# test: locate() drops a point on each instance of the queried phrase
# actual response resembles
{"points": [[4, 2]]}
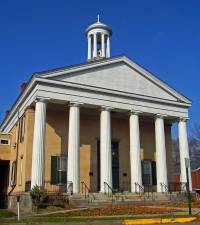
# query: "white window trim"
{"points": [[21, 171], [13, 174], [4, 139]]}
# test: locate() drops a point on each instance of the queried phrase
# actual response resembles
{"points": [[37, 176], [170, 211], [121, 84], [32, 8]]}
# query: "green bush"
{"points": [[39, 196]]}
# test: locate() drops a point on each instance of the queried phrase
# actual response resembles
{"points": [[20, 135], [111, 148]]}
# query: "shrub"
{"points": [[39, 196]]}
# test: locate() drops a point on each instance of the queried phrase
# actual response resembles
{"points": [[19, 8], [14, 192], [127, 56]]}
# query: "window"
{"points": [[58, 170], [21, 169], [22, 128], [13, 174], [4, 142]]}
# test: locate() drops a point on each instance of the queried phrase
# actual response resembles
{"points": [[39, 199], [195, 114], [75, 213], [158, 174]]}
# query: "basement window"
{"points": [[4, 142]]}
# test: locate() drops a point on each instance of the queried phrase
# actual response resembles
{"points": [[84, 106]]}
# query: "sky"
{"points": [[161, 35]]}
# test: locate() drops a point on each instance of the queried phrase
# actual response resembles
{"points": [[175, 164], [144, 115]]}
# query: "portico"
{"points": [[103, 118]]}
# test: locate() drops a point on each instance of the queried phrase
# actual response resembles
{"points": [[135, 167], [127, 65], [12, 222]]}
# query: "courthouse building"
{"points": [[105, 122]]}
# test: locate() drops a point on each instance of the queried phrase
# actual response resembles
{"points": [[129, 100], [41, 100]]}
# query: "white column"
{"points": [[94, 45], [38, 154], [184, 150], [73, 165], [89, 47], [105, 148], [161, 164], [135, 158], [103, 45], [108, 47]]}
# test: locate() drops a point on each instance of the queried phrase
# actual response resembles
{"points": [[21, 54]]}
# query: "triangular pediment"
{"points": [[121, 75]]}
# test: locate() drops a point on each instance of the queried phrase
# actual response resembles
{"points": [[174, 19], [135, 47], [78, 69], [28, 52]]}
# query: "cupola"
{"points": [[98, 35]]}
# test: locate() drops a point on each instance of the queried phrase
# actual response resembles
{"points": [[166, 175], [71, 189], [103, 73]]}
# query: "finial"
{"points": [[98, 18]]}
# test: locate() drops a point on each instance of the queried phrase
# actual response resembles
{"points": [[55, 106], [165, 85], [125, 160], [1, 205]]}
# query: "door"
{"points": [[4, 179], [115, 164], [149, 172]]}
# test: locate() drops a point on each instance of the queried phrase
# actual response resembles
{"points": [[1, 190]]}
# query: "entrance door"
{"points": [[148, 172], [115, 164], [4, 175]]}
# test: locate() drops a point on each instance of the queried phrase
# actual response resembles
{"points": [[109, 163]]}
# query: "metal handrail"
{"points": [[110, 190], [85, 189], [163, 185], [66, 187], [183, 186], [139, 187]]}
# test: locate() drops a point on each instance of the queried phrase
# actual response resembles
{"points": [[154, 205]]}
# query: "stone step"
{"points": [[101, 199]]}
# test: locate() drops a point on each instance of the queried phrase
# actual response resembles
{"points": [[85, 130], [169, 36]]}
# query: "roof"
{"points": [[98, 25], [98, 63]]}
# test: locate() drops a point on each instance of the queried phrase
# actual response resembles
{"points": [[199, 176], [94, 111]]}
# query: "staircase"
{"points": [[94, 200]]}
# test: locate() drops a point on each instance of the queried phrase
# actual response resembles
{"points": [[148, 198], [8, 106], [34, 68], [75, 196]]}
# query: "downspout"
{"points": [[17, 152]]}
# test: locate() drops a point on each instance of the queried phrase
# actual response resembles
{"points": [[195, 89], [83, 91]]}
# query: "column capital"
{"points": [[161, 116], [41, 99], [106, 108], [135, 112], [76, 104], [183, 119]]}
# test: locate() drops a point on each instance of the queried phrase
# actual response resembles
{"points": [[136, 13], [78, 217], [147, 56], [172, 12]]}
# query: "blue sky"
{"points": [[162, 36]]}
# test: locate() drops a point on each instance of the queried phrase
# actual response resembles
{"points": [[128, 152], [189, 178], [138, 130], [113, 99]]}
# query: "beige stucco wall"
{"points": [[5, 150], [57, 141]]}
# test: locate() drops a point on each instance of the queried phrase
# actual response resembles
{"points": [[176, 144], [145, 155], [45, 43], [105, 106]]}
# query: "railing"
{"points": [[53, 188], [177, 186], [85, 189], [184, 186], [139, 188], [164, 187], [108, 190]]}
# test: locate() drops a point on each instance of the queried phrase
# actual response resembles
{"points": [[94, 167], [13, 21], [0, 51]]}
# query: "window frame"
{"points": [[22, 128], [13, 174], [60, 170], [4, 139], [20, 169]]}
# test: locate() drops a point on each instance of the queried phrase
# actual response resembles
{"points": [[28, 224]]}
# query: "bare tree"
{"points": [[194, 146], [194, 149]]}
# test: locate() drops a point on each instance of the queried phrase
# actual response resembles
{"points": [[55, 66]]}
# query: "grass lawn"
{"points": [[91, 219], [113, 212], [4, 213]]}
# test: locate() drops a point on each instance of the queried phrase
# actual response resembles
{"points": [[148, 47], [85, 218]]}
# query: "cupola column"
{"points": [[98, 35], [103, 45], [108, 47], [94, 45], [89, 47]]}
